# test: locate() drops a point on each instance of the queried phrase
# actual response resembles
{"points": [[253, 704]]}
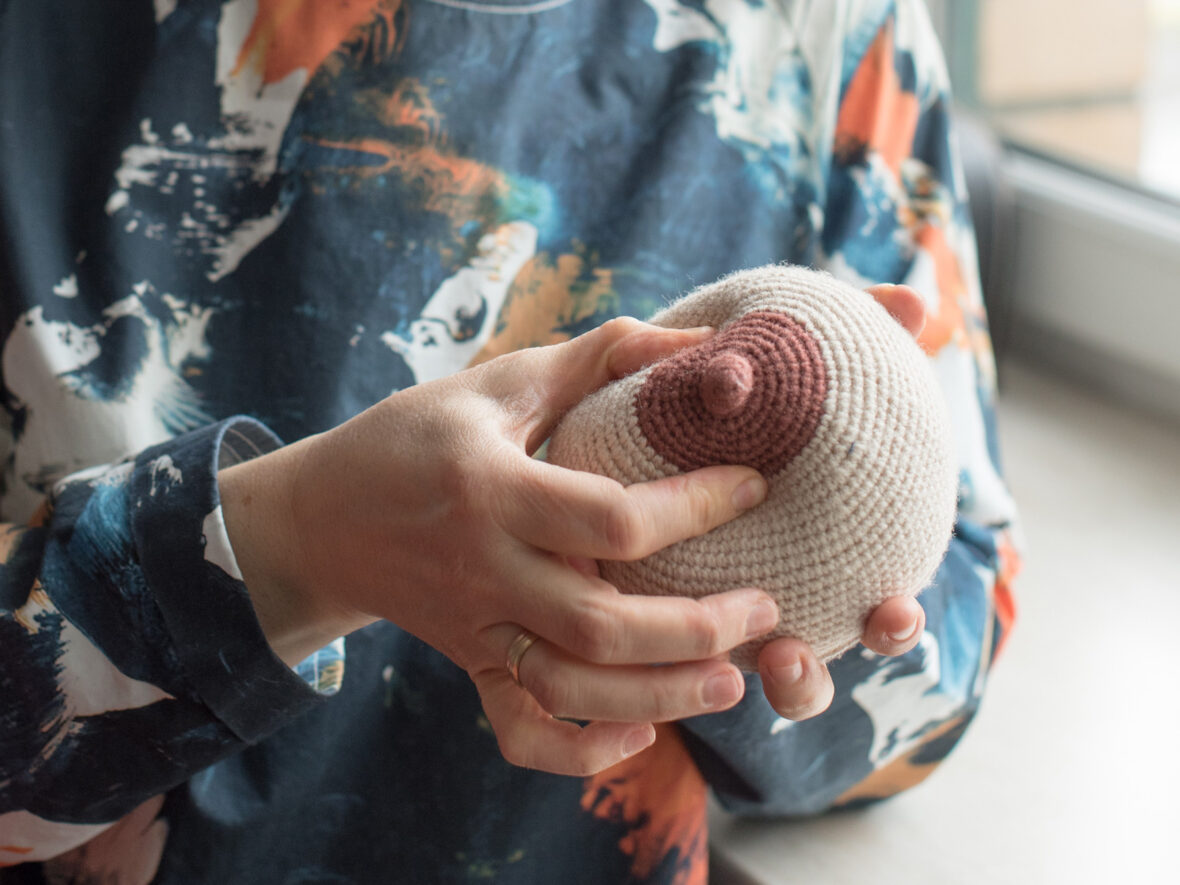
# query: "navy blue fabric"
{"points": [[203, 215]]}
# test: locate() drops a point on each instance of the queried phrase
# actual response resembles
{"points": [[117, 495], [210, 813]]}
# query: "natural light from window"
{"points": [[1096, 84]]}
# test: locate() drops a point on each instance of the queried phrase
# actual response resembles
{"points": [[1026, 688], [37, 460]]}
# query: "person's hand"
{"points": [[796, 684], [427, 510]]}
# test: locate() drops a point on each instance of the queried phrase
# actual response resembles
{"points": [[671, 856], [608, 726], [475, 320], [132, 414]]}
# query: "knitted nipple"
{"points": [[752, 395], [725, 384], [814, 384]]}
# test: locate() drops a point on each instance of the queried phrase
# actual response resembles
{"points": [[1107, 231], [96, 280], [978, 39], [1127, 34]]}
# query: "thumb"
{"points": [[539, 385]]}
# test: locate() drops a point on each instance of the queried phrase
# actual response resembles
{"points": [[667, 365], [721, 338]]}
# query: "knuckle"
{"points": [[551, 693], [459, 486], [524, 402], [710, 632], [700, 504], [619, 327], [625, 528], [666, 702], [594, 634]]}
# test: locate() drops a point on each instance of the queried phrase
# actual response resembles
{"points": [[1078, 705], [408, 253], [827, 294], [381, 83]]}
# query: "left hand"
{"points": [[797, 685]]}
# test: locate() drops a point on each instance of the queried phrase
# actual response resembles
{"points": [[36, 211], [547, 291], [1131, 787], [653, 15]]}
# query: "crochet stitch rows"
{"points": [[812, 382]]}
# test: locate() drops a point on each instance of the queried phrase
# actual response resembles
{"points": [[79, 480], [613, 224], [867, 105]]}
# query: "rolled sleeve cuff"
{"points": [[189, 564]]}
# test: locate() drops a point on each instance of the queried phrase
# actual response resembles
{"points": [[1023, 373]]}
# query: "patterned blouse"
{"points": [[289, 209]]}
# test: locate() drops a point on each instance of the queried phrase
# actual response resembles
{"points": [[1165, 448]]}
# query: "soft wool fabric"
{"points": [[813, 383]]}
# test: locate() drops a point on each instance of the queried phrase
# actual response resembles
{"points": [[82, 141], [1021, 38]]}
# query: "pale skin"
{"points": [[428, 510]]}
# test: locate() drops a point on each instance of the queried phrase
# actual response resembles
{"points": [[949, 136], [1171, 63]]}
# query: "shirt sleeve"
{"points": [[895, 210], [130, 654]]}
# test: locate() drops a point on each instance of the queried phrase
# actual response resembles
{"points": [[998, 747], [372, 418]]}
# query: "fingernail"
{"points": [[903, 635], [762, 617], [750, 493], [640, 739], [789, 674], [722, 690]]}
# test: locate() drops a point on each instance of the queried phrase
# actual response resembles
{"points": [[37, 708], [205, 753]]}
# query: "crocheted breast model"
{"points": [[814, 384]]}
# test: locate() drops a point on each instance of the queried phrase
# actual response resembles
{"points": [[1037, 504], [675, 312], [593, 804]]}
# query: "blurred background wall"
{"points": [[1071, 130]]}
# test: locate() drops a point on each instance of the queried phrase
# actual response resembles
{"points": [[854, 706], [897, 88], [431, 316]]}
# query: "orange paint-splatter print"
{"points": [[660, 796], [879, 116], [900, 774], [547, 297], [946, 322], [455, 176], [1002, 596], [877, 113], [42, 515], [14, 849], [444, 182], [9, 541], [292, 35]]}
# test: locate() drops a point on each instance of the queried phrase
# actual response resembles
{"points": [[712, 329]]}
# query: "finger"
{"points": [[651, 344], [796, 684], [904, 305], [541, 384], [592, 620], [895, 626], [583, 514], [531, 738], [570, 687]]}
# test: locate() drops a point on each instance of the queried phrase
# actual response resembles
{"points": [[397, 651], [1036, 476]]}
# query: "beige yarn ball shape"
{"points": [[812, 382]]}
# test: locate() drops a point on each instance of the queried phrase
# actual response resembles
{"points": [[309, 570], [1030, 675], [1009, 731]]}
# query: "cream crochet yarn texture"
{"points": [[813, 383]]}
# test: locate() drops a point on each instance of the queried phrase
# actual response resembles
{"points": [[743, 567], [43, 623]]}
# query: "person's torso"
{"points": [[291, 210]]}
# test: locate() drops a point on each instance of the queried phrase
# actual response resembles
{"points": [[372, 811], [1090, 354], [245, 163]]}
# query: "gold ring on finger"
{"points": [[522, 643]]}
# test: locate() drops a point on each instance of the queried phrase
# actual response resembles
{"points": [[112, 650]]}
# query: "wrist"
{"points": [[295, 616]]}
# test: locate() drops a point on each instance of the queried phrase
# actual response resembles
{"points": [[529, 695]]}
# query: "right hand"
{"points": [[428, 510]]}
